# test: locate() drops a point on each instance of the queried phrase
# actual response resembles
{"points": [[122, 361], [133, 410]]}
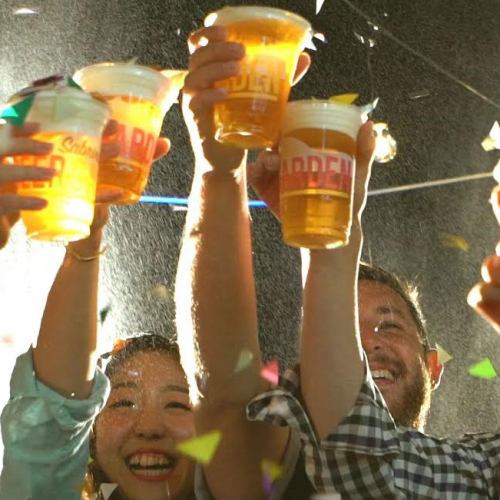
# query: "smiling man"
{"points": [[394, 338]]}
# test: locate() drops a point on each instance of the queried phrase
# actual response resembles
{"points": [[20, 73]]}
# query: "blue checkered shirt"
{"points": [[369, 456]]}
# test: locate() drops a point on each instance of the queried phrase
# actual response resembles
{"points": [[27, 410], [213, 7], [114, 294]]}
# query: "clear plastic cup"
{"points": [[251, 115], [139, 98], [73, 122], [318, 151]]}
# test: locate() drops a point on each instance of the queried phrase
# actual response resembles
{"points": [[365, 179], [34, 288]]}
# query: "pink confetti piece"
{"points": [[270, 372]]}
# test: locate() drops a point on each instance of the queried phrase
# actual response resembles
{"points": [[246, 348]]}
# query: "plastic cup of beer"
{"points": [[73, 122], [318, 152], [251, 115], [139, 98]]}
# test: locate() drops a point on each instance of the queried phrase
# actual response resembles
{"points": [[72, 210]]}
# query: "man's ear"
{"points": [[434, 367]]}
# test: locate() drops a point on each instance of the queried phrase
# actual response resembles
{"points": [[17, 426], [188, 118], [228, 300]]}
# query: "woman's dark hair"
{"points": [[123, 350], [407, 291]]}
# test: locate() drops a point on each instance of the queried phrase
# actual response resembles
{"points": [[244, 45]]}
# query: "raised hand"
{"points": [[16, 141]]}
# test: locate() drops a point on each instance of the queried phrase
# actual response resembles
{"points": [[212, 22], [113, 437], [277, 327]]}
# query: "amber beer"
{"points": [[317, 173], [139, 98], [73, 122], [251, 115]]}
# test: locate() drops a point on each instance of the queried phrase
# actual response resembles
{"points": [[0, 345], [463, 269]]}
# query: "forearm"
{"points": [[65, 355], [331, 354], [215, 291]]}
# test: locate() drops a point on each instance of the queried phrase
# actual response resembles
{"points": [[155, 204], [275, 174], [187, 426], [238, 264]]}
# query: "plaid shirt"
{"points": [[369, 456]]}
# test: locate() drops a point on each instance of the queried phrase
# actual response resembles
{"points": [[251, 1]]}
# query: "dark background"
{"points": [[438, 136]]}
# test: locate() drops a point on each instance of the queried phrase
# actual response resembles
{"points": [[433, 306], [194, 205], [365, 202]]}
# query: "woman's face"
{"points": [[147, 414]]}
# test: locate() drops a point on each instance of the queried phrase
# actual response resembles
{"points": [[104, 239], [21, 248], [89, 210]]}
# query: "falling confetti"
{"points": [[385, 145], [320, 36], [201, 448], [344, 98], [161, 293], [16, 114], [271, 470], [419, 94], [319, 6], [24, 11], [103, 313], [107, 489], [367, 109], [267, 486], [443, 356], [7, 340], [244, 360], [483, 369], [270, 372], [455, 241], [493, 140]]}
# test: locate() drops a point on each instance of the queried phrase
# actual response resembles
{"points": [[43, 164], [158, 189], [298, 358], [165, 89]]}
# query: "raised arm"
{"points": [[331, 352], [65, 356], [485, 296], [215, 290]]}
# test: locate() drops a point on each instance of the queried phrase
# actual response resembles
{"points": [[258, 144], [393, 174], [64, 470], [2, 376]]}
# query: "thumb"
{"points": [[364, 159]]}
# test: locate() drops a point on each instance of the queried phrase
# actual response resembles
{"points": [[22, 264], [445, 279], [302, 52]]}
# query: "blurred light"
{"points": [[24, 11], [2, 121], [385, 145]]}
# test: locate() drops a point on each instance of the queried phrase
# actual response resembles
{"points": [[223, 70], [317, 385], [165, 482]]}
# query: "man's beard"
{"points": [[412, 408]]}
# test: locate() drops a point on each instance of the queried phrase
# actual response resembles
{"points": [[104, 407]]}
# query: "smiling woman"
{"points": [[147, 414]]}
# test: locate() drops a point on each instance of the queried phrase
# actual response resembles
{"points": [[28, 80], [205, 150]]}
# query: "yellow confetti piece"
{"points": [[244, 360], [271, 470], [201, 448], [483, 369], [443, 356], [160, 292], [493, 140], [344, 98], [176, 76], [455, 241]]}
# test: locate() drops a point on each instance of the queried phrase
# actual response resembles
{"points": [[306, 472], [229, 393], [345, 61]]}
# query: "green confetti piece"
{"points": [[73, 84], [17, 113], [483, 369], [271, 470], [201, 448], [244, 360]]}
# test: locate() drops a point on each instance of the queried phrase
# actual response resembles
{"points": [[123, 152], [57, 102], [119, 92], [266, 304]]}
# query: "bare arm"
{"points": [[215, 291], [65, 355], [331, 352]]}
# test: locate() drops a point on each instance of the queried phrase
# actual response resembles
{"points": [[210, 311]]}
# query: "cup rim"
{"points": [[222, 16], [322, 104], [129, 69]]}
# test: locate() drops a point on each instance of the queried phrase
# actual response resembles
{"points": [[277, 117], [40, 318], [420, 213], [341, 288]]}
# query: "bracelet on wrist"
{"points": [[85, 258]]}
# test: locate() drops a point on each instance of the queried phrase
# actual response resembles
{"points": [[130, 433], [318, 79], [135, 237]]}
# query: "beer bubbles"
{"points": [[385, 144]]}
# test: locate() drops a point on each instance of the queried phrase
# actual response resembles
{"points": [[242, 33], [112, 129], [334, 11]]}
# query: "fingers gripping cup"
{"points": [[139, 98], [73, 122], [317, 172], [251, 115]]}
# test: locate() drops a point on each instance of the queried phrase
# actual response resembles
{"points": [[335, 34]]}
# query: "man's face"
{"points": [[398, 362]]}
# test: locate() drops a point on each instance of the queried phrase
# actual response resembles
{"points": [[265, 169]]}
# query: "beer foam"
{"points": [[125, 79], [316, 114], [228, 15], [69, 109]]}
